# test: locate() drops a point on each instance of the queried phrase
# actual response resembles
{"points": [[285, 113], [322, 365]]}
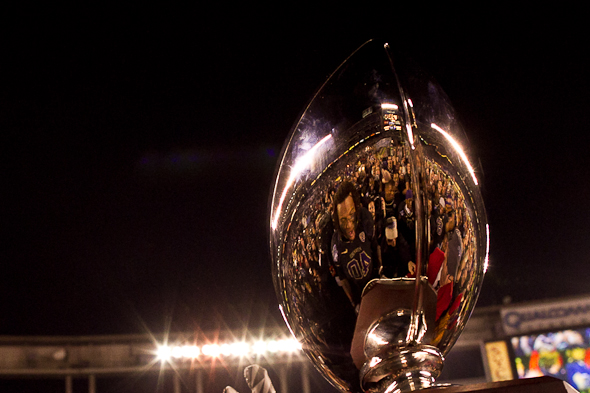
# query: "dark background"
{"points": [[139, 147]]}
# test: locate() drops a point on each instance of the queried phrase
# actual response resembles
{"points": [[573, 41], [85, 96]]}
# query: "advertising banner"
{"points": [[546, 316]]}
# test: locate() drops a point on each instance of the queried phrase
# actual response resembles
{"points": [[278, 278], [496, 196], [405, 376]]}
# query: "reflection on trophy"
{"points": [[378, 231]]}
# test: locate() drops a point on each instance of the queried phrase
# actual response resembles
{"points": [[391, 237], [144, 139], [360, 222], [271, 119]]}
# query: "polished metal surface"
{"points": [[412, 368], [376, 187]]}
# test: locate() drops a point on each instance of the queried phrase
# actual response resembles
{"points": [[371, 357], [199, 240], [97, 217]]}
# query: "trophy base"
{"points": [[530, 385]]}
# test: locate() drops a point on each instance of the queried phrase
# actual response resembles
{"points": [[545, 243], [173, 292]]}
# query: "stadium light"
{"points": [[235, 349], [212, 350], [163, 353]]}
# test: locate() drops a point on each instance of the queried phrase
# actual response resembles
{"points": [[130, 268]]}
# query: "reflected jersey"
{"points": [[353, 260]]}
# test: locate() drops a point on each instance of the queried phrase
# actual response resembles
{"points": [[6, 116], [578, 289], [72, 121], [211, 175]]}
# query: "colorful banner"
{"points": [[563, 354]]}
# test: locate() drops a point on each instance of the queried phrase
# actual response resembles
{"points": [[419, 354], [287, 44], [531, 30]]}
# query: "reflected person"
{"points": [[395, 252], [353, 243]]}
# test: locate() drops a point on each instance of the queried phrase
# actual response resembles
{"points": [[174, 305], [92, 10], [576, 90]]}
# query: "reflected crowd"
{"points": [[362, 226]]}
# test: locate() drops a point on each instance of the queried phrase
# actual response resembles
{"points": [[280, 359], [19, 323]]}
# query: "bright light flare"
{"points": [[289, 345], [177, 352], [299, 166], [225, 349], [190, 351], [164, 353], [239, 349], [259, 347], [212, 350], [272, 346], [389, 106], [459, 150], [235, 349]]}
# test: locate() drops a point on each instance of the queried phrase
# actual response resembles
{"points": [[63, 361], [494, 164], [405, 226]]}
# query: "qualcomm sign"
{"points": [[543, 316]]}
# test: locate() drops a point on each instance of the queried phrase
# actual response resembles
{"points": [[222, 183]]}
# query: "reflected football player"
{"points": [[353, 243]]}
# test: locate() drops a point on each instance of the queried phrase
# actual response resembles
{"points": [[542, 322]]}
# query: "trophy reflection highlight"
{"points": [[378, 231]]}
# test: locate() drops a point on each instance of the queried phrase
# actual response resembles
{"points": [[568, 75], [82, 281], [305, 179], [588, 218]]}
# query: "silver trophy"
{"points": [[378, 231]]}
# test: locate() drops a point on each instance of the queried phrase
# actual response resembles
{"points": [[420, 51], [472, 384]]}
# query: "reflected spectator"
{"points": [[437, 225], [407, 222], [455, 249], [389, 195], [395, 252], [352, 242]]}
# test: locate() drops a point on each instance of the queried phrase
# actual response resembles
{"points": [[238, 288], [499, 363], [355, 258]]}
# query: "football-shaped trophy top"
{"points": [[378, 231]]}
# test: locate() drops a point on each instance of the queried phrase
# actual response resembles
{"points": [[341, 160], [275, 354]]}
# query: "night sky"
{"points": [[138, 153]]}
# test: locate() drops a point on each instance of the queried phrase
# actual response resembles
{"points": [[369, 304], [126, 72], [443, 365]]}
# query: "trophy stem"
{"points": [[390, 347], [402, 369]]}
